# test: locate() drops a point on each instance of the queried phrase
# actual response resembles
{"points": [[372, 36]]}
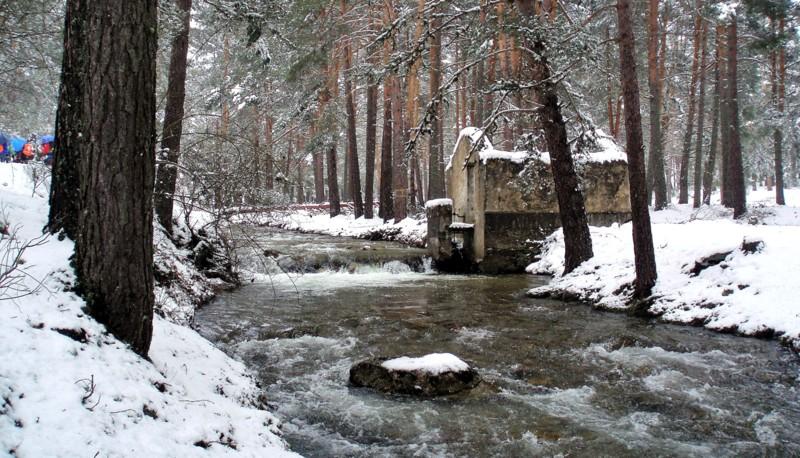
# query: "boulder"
{"points": [[437, 374]]}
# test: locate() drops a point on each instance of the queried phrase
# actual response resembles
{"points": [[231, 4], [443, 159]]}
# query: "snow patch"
{"points": [[434, 364]]}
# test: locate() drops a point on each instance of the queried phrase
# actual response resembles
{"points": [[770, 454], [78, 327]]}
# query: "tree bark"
{"points": [[399, 157], [114, 110], [724, 114], [269, 155], [657, 179], [644, 254], [352, 145], [577, 239], [779, 94], [386, 203], [683, 180], [708, 171], [65, 185], [173, 120], [701, 107], [369, 147], [735, 166], [435, 143]]}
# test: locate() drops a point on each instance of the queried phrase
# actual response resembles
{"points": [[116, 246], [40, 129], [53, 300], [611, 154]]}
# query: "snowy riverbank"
{"points": [[409, 231], [68, 388], [748, 293]]}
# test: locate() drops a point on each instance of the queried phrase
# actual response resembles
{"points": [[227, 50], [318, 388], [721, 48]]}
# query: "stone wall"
{"points": [[510, 199]]}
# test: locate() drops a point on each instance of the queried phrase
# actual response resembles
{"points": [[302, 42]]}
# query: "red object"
{"points": [[27, 150], [46, 148]]}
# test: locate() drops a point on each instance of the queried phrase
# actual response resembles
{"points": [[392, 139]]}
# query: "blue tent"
{"points": [[18, 143], [47, 138]]}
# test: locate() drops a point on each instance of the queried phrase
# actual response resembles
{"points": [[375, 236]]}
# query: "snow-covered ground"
{"points": [[748, 293], [410, 231], [68, 388]]}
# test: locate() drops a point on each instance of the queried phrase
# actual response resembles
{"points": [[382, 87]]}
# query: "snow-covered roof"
{"points": [[438, 203], [606, 150]]}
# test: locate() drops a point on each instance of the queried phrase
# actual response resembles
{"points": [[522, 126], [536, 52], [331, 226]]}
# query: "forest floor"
{"points": [[69, 388]]}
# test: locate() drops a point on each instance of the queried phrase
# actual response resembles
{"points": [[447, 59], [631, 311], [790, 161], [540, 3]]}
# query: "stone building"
{"points": [[503, 204]]}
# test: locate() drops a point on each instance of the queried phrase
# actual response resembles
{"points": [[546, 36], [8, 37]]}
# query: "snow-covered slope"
{"points": [[749, 293], [68, 388]]}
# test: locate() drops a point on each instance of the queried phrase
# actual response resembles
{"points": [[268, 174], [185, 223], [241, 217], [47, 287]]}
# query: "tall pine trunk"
{"points": [[779, 94], [657, 178], [683, 179], [113, 108], [64, 190], [701, 107], [399, 157], [435, 144], [708, 170], [369, 149], [735, 180], [572, 212], [644, 254], [173, 120], [352, 144]]}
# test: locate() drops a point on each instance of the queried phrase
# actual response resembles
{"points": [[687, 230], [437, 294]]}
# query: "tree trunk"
{"points": [[657, 179], [352, 145], [577, 239], [399, 158], [708, 171], [114, 110], [369, 177], [269, 159], [436, 144], [683, 181], [701, 107], [386, 204], [386, 201], [724, 110], [644, 253], [173, 120], [65, 185], [333, 184], [301, 192], [735, 166], [779, 94]]}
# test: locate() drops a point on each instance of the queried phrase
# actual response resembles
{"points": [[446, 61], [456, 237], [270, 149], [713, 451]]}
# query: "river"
{"points": [[559, 378]]}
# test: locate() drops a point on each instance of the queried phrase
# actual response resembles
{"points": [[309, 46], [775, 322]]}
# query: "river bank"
{"points": [[705, 278], [559, 378], [68, 387]]}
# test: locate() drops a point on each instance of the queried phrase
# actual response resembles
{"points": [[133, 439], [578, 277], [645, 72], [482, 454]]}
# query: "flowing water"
{"points": [[559, 378]]}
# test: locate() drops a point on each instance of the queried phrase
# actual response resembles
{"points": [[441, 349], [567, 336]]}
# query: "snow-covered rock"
{"points": [[436, 374]]}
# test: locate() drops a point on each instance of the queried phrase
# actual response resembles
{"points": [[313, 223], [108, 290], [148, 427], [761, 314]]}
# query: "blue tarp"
{"points": [[18, 143], [47, 138], [3, 139]]}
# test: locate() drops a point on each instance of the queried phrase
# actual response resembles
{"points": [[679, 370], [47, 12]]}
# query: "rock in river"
{"points": [[436, 374]]}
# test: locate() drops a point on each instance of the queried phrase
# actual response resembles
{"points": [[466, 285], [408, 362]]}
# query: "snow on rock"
{"points": [[433, 203], [434, 363], [752, 293], [68, 387]]}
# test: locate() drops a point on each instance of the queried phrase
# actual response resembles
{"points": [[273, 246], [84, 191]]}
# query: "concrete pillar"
{"points": [[440, 216]]}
